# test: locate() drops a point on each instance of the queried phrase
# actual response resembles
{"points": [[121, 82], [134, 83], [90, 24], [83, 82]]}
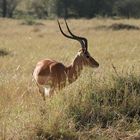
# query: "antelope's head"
{"points": [[84, 55]]}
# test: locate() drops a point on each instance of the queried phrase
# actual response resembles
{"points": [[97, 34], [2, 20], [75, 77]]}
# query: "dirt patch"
{"points": [[118, 26]]}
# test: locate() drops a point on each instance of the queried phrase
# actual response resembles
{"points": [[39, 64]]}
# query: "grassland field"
{"points": [[102, 104]]}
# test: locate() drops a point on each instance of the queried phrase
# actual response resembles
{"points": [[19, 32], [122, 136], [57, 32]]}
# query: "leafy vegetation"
{"points": [[70, 8]]}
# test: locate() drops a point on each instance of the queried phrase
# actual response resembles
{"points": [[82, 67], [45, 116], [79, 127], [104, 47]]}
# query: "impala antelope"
{"points": [[51, 75]]}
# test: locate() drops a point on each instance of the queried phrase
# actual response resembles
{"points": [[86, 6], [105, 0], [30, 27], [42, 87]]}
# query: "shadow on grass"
{"points": [[3, 53], [41, 134]]}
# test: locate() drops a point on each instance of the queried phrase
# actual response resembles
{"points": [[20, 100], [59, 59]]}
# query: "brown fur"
{"points": [[55, 74]]}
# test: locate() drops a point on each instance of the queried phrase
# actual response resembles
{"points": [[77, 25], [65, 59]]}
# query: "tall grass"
{"points": [[103, 103]]}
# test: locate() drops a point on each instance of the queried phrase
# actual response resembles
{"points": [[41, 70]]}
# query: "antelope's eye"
{"points": [[87, 56]]}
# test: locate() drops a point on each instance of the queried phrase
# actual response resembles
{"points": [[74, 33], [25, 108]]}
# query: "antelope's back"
{"points": [[49, 71]]}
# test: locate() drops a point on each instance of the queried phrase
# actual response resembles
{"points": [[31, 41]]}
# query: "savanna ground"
{"points": [[103, 104]]}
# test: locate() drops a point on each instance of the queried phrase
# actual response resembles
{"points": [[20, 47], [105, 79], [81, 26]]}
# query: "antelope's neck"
{"points": [[74, 70]]}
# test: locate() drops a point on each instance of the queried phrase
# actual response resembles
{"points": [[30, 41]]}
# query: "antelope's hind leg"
{"points": [[42, 91]]}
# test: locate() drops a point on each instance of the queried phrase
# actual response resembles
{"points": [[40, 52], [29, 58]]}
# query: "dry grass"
{"points": [[102, 104]]}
